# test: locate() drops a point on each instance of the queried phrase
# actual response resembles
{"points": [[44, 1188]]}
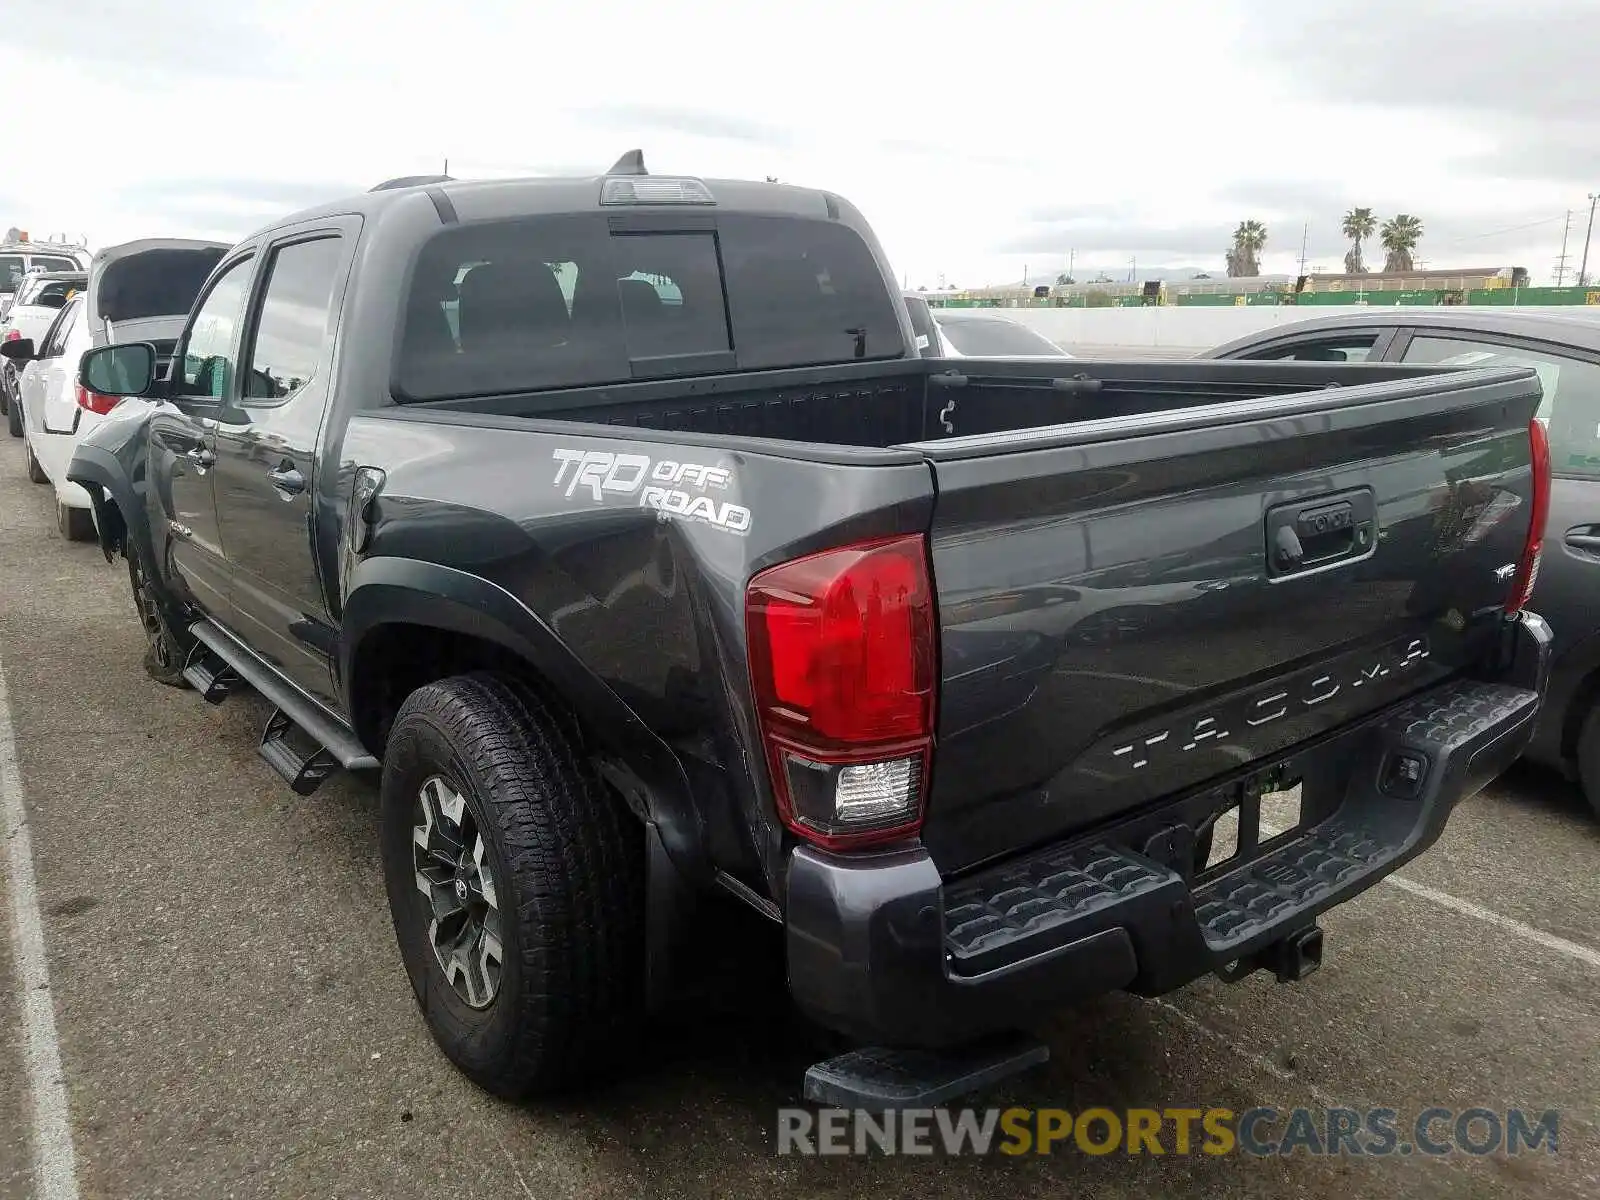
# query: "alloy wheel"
{"points": [[454, 874], [155, 630]]}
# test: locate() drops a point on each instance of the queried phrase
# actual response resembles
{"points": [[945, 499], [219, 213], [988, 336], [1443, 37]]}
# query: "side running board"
{"points": [[301, 742]]}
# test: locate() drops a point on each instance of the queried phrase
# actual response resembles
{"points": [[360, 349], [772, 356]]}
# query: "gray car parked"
{"points": [[1565, 350]]}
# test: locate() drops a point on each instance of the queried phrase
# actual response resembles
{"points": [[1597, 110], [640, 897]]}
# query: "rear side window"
{"points": [[1571, 405], [1348, 348], [11, 272], [292, 328], [566, 301]]}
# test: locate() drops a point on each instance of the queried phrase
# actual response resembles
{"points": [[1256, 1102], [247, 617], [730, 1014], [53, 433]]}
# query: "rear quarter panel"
{"points": [[569, 520]]}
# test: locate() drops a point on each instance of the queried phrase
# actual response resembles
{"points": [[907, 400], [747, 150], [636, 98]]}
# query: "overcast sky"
{"points": [[979, 136]]}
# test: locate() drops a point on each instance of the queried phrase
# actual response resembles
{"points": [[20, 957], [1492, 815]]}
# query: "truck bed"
{"points": [[879, 405]]}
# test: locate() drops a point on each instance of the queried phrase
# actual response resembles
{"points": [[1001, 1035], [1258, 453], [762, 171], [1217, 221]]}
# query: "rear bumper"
{"points": [[882, 948]]}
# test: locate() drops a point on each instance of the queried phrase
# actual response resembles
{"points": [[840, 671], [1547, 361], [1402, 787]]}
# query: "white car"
{"points": [[40, 298], [136, 292], [980, 333]]}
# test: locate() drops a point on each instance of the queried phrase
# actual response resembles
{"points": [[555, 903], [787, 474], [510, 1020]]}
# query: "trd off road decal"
{"points": [[672, 488]]}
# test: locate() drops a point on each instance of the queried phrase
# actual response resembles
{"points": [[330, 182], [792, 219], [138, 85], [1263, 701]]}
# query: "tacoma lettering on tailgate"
{"points": [[672, 488], [1267, 705]]}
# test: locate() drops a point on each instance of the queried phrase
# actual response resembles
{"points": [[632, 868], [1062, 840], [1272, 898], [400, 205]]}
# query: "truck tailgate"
{"points": [[1133, 606]]}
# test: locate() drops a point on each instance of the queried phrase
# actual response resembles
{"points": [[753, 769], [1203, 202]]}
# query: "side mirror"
{"points": [[17, 349], [125, 370]]}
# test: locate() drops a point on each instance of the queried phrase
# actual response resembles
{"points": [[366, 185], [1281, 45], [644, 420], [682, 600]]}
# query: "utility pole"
{"points": [[1583, 270], [1304, 234], [1561, 263], [1071, 256]]}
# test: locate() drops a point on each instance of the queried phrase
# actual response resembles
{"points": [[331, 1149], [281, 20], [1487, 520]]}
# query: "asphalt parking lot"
{"points": [[233, 1020]]}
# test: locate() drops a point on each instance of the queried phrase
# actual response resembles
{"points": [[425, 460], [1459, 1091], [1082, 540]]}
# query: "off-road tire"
{"points": [[35, 471], [1589, 758], [166, 649], [74, 524], [568, 864]]}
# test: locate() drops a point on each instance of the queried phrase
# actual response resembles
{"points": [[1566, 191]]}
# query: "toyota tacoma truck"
{"points": [[618, 527]]}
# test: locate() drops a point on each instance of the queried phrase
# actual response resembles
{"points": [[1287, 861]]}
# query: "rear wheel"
{"points": [[165, 650], [74, 524], [515, 880], [1589, 758], [8, 385]]}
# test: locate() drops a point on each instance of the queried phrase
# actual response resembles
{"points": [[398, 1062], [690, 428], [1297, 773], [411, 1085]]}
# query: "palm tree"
{"points": [[1065, 280], [1243, 256], [1359, 224], [1400, 235]]}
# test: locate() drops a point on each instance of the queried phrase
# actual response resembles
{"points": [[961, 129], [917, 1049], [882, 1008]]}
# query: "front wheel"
{"points": [[165, 649], [14, 416], [516, 884], [35, 471]]}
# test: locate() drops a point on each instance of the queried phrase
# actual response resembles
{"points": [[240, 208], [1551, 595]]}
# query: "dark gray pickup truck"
{"points": [[619, 524]]}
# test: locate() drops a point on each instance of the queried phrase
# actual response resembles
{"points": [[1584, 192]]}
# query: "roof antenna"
{"points": [[631, 163]]}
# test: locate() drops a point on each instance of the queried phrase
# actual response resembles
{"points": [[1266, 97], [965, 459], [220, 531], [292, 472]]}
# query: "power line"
{"points": [[1477, 237]]}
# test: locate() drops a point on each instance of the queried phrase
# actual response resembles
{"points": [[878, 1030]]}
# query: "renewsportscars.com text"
{"points": [[1261, 1132]]}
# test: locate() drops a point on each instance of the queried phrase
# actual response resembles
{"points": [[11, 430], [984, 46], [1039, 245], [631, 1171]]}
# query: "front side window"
{"points": [[1571, 404], [55, 341], [292, 329], [12, 272], [209, 348]]}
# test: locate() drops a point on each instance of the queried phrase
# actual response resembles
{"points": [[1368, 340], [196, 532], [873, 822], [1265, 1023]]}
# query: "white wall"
{"points": [[1190, 328]]}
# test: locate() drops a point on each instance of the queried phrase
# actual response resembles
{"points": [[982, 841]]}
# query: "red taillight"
{"points": [[13, 335], [844, 672], [94, 401], [1539, 512]]}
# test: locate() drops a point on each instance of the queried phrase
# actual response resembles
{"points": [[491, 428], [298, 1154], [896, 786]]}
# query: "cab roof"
{"points": [[458, 200]]}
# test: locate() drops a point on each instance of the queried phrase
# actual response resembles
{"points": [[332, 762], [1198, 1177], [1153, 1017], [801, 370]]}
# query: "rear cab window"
{"points": [[574, 300]]}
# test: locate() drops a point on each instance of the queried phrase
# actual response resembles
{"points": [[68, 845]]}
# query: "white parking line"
{"points": [[1466, 908], [1528, 933], [54, 1162]]}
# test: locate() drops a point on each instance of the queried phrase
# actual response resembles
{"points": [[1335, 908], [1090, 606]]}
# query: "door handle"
{"points": [[201, 457], [287, 479], [1585, 537]]}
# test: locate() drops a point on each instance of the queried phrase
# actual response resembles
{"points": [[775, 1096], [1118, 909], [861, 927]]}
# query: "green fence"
{"points": [[1377, 299]]}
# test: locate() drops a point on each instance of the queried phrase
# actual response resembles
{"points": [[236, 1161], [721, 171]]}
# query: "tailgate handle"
{"points": [[1308, 534]]}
